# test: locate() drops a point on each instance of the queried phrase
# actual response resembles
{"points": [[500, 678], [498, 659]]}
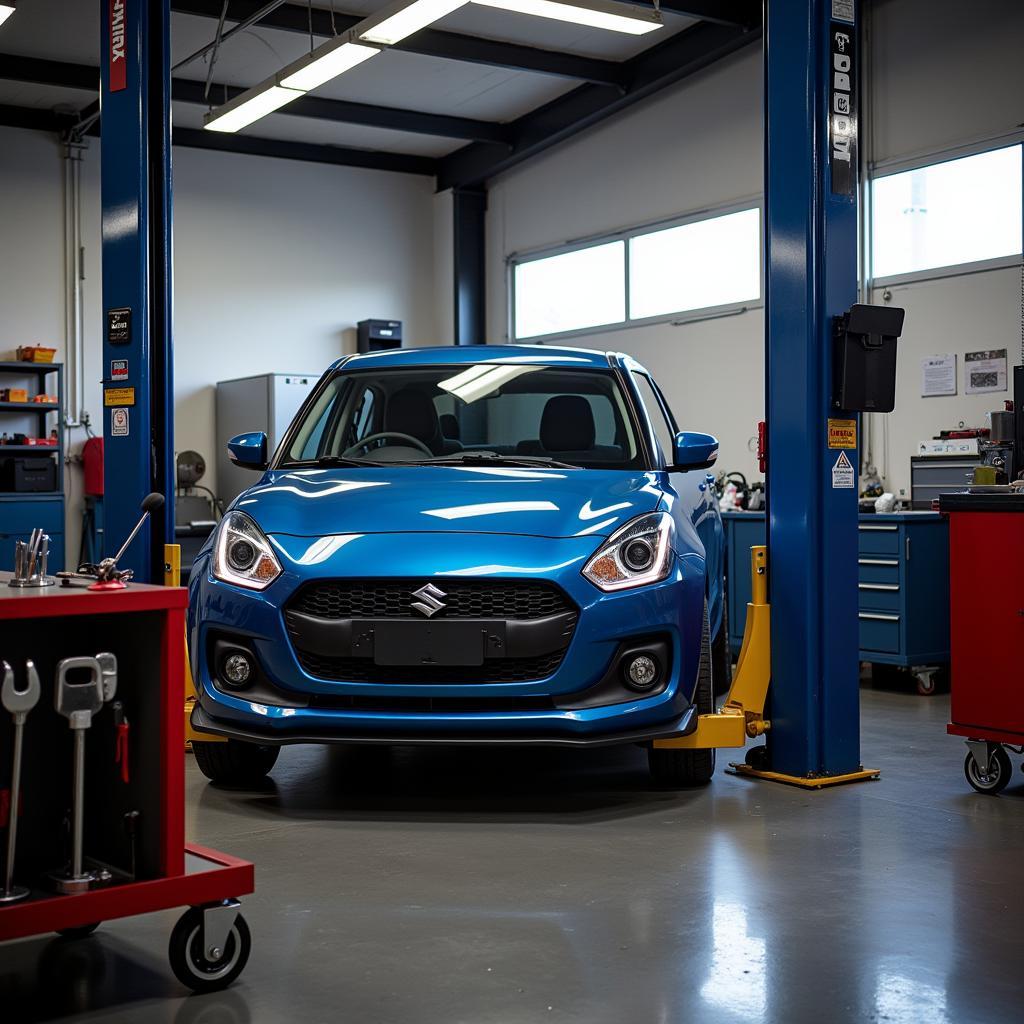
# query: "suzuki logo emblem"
{"points": [[431, 600]]}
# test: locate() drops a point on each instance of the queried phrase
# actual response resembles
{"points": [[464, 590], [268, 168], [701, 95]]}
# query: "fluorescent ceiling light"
{"points": [[401, 19], [595, 13], [245, 109], [324, 63], [6, 10]]}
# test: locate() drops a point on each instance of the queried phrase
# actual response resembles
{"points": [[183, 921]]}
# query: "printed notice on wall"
{"points": [[985, 371], [938, 375]]}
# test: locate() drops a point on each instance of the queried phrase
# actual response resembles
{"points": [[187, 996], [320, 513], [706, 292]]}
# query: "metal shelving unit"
{"points": [[23, 511]]}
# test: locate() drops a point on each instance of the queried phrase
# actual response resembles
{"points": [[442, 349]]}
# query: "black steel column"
{"points": [[469, 214]]}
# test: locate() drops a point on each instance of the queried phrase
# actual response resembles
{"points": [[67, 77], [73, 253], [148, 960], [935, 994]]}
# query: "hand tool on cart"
{"points": [[30, 558], [78, 702], [106, 575], [18, 703]]}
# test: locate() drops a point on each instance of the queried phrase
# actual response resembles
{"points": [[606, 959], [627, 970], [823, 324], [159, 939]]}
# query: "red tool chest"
{"points": [[986, 559], [134, 777]]}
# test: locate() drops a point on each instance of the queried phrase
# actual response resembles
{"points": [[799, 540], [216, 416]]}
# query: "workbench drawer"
{"points": [[25, 515], [872, 569], [878, 539], [879, 597], [879, 631]]}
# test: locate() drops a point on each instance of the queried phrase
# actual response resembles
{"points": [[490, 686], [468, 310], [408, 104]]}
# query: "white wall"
{"points": [[942, 74], [275, 262]]}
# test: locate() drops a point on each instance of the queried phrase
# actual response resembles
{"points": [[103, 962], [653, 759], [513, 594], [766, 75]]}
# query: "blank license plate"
{"points": [[432, 643]]}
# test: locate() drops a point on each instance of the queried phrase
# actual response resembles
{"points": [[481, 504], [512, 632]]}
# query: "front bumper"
{"points": [[203, 722], [319, 710]]}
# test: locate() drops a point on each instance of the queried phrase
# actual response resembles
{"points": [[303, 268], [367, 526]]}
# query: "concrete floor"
{"points": [[488, 886]]}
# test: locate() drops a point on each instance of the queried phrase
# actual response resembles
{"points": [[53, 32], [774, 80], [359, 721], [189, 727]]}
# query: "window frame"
{"points": [[901, 165], [625, 235]]}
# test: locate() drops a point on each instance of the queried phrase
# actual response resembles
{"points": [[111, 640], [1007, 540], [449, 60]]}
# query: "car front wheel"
{"points": [[234, 762], [675, 769]]}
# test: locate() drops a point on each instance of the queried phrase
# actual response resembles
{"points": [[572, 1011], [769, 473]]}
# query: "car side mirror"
{"points": [[249, 451], [694, 451]]}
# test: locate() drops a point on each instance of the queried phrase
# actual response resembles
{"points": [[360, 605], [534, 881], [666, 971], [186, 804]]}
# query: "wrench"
{"points": [[19, 703], [78, 702]]}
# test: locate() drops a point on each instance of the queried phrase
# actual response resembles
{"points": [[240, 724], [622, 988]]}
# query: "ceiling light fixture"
{"points": [[6, 10], [402, 18], [324, 63], [249, 106], [595, 13]]}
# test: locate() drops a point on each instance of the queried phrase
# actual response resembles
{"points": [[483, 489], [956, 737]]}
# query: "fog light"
{"points": [[641, 672], [237, 668]]}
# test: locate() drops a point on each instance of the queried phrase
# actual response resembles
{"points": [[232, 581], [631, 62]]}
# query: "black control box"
{"points": [[378, 335]]}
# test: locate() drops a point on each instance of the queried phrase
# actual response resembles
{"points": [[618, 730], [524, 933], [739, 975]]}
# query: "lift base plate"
{"points": [[805, 782]]}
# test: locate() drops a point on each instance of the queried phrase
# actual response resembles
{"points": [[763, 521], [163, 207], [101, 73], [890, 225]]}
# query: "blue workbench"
{"points": [[903, 583]]}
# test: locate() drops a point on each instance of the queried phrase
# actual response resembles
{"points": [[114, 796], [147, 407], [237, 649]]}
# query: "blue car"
{"points": [[472, 545]]}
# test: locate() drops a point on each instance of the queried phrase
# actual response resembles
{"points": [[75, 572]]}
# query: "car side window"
{"points": [[664, 430]]}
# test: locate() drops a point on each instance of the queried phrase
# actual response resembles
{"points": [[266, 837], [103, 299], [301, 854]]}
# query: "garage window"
{"points": [[571, 291], [707, 263], [947, 214]]}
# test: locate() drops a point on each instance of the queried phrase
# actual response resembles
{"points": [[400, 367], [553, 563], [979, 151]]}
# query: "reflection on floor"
{"points": [[515, 886]]}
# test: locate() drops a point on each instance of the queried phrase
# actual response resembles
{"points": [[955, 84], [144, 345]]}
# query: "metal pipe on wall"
{"points": [[74, 342]]}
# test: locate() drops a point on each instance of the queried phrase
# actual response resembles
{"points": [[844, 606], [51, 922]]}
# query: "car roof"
{"points": [[456, 355]]}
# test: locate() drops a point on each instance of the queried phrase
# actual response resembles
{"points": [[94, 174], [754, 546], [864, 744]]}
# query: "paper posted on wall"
{"points": [[938, 375], [985, 371]]}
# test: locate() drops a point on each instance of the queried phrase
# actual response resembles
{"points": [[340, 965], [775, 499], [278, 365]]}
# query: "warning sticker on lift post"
{"points": [[118, 396], [118, 422], [842, 433], [842, 473]]}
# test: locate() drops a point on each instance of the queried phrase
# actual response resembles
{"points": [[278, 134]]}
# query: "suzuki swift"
{"points": [[469, 545]]}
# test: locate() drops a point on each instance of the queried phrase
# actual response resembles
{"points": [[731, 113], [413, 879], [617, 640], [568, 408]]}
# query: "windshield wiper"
{"points": [[462, 458]]}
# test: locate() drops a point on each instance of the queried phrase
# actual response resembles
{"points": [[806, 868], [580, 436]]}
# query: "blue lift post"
{"points": [[135, 144], [811, 202]]}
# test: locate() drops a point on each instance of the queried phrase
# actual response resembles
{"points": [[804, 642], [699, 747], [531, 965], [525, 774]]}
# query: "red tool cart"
{"points": [[986, 588], [92, 717]]}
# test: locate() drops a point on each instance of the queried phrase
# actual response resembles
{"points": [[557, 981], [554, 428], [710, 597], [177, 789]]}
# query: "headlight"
{"points": [[243, 554], [638, 554]]}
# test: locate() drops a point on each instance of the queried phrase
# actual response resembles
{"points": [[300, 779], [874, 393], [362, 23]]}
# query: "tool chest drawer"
{"points": [[902, 578], [878, 538], [885, 597], [25, 514], [879, 631]]}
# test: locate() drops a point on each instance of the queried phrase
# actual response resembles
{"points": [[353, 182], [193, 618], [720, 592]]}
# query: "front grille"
{"points": [[499, 670], [464, 599], [509, 600]]}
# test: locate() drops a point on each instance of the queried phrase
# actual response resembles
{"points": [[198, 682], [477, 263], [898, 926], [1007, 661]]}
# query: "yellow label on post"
{"points": [[842, 433], [118, 396]]}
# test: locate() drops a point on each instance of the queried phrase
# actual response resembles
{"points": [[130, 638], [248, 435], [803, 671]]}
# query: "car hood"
{"points": [[449, 499]]}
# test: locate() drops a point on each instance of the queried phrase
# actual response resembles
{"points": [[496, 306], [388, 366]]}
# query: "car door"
{"points": [[694, 490]]}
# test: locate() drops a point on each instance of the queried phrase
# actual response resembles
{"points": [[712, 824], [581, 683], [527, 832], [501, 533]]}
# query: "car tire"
{"points": [[678, 769], [721, 656], [234, 761]]}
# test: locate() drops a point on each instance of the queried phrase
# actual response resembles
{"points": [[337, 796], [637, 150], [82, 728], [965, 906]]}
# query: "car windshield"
{"points": [[528, 414]]}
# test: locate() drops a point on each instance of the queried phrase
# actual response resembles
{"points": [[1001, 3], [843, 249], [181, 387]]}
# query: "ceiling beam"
{"points": [[663, 65], [428, 42], [744, 13], [80, 76], [37, 119], [345, 156]]}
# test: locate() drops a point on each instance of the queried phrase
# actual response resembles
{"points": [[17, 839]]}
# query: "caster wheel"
{"points": [[926, 685], [81, 932], [991, 778], [191, 962], [757, 758]]}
